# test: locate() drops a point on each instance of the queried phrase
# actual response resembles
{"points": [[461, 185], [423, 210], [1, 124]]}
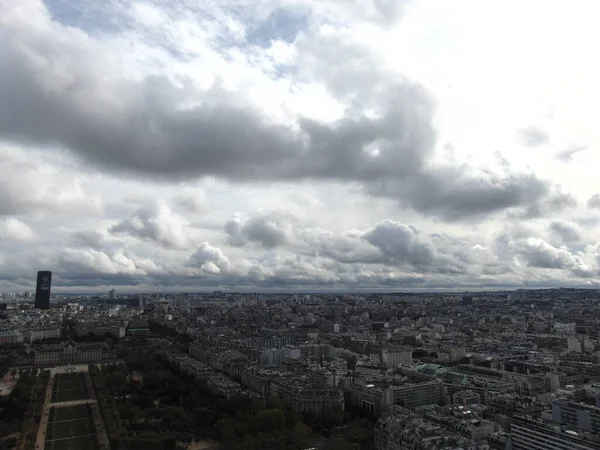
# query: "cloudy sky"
{"points": [[299, 144]]}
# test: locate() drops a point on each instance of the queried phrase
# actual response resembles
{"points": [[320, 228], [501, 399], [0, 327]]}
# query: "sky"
{"points": [[299, 145]]}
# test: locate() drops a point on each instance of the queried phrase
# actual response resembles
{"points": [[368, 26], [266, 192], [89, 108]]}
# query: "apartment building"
{"points": [[529, 434]]}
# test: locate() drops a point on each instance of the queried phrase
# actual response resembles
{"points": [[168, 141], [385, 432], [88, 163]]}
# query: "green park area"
{"points": [[71, 428], [69, 387], [21, 410], [169, 410]]}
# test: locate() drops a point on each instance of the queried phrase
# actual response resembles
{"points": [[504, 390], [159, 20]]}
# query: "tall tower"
{"points": [[42, 290]]}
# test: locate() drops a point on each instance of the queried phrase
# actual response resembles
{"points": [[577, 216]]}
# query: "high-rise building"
{"points": [[112, 294], [42, 290]]}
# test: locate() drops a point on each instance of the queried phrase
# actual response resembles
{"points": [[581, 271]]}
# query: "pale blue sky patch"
{"points": [[92, 16], [283, 25]]}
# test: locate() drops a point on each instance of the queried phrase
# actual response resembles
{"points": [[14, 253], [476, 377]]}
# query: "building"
{"points": [[574, 345], [394, 358], [138, 328], [376, 399], [290, 352], [11, 337], [578, 415], [451, 354], [128, 302], [40, 334], [468, 397], [529, 433], [71, 353], [42, 290], [302, 397], [112, 294], [271, 357]]}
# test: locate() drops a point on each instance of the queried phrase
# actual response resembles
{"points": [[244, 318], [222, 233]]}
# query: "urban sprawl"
{"points": [[403, 371]]}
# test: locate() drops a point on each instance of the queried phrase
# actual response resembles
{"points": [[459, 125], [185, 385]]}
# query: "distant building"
{"points": [[112, 294], [42, 290], [128, 302]]}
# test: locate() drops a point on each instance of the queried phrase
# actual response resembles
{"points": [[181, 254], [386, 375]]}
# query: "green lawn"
{"points": [[69, 387], [71, 428]]}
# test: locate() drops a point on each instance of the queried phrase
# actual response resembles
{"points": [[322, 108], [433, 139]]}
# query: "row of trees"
{"points": [[168, 406], [21, 410]]}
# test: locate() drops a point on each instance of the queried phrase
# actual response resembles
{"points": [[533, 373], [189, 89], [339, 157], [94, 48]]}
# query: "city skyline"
{"points": [[298, 146]]}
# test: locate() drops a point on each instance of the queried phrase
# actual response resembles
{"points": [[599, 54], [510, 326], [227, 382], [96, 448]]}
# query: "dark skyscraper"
{"points": [[42, 290]]}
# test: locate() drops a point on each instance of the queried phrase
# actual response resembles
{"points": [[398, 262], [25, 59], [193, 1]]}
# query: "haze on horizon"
{"points": [[407, 144]]}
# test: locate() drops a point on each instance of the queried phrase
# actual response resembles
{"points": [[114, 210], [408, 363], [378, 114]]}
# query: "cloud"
{"points": [[33, 182], [567, 231], [594, 201], [538, 253], [295, 145], [193, 201], [15, 230], [151, 126], [261, 230], [566, 155], [400, 243], [88, 262], [454, 193], [533, 137], [88, 238], [158, 224], [209, 259]]}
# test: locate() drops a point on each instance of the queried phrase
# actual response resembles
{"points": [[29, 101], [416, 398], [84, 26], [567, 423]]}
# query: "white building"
{"points": [[394, 358]]}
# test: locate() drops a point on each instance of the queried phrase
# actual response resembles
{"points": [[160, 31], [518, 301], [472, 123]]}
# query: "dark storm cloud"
{"points": [[533, 136], [59, 87]]}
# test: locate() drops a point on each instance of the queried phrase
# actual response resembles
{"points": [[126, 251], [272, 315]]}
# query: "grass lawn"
{"points": [[71, 428], [69, 387]]}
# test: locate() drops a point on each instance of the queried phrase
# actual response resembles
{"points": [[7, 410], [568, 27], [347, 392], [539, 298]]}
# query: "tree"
{"points": [[301, 435], [225, 430], [269, 420]]}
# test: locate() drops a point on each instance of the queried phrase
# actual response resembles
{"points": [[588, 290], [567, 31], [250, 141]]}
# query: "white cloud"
{"points": [[14, 229], [157, 223]]}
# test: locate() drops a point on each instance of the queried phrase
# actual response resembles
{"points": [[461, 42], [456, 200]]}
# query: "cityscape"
{"points": [[473, 370], [299, 225]]}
